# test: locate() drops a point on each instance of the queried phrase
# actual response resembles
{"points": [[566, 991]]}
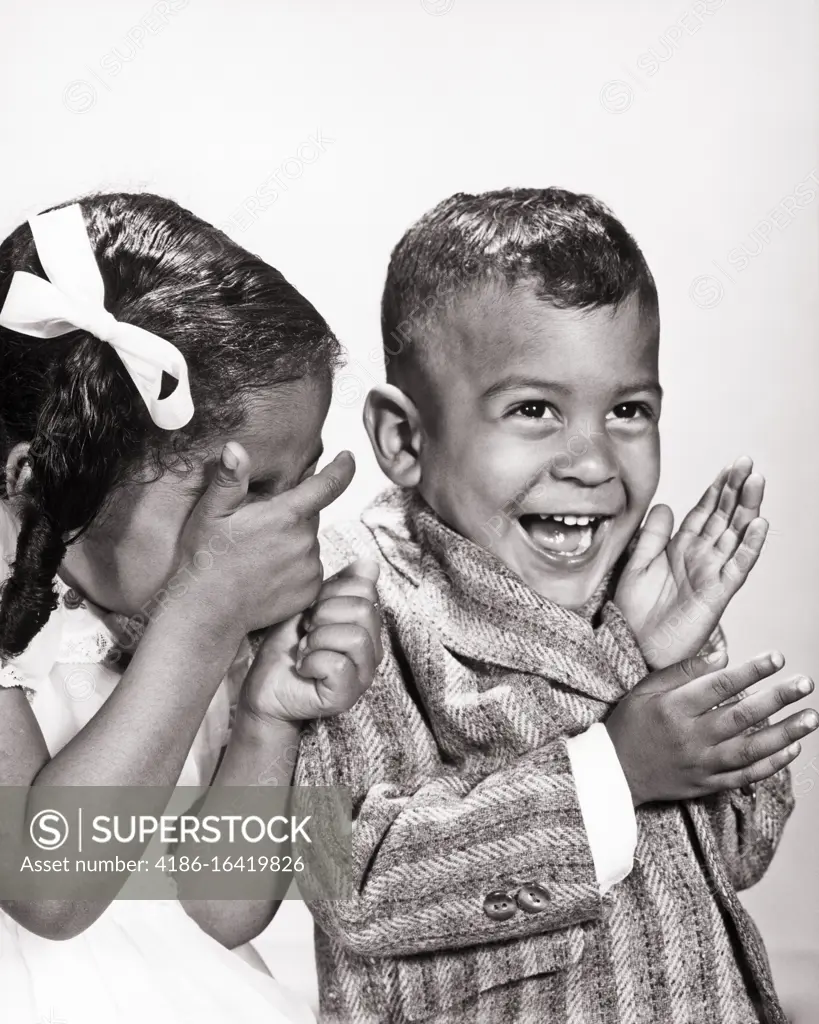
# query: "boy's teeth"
{"points": [[572, 520]]}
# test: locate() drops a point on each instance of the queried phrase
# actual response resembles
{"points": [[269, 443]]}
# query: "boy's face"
{"points": [[540, 436]]}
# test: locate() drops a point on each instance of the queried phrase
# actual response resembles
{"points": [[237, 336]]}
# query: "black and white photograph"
{"points": [[408, 577]]}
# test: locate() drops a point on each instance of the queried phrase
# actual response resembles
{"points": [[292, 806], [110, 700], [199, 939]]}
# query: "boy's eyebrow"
{"points": [[641, 385], [521, 381], [515, 381]]}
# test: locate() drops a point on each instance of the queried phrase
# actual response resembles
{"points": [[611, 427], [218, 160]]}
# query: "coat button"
{"points": [[499, 905], [749, 790], [532, 898], [72, 599]]}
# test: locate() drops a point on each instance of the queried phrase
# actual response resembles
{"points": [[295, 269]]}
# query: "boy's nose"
{"points": [[586, 459]]}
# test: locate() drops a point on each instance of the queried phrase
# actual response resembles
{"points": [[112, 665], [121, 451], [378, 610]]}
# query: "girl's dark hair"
{"points": [[239, 324]]}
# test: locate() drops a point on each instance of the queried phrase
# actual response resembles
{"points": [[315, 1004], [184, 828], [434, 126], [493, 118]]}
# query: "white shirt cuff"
{"points": [[605, 803]]}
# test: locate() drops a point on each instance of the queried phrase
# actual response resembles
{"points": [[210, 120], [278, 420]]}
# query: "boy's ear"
{"points": [[394, 428], [18, 470]]}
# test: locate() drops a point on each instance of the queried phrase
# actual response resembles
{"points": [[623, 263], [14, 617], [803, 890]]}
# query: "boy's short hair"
{"points": [[569, 247]]}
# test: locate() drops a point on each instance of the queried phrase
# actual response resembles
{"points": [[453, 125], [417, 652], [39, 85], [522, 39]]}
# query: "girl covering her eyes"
{"points": [[152, 374]]}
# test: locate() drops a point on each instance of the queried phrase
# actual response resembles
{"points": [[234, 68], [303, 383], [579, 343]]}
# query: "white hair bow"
{"points": [[73, 298]]}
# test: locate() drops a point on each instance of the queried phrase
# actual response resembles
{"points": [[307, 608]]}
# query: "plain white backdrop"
{"points": [[315, 132]]}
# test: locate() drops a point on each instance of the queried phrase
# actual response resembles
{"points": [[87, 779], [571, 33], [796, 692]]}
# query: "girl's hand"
{"points": [[318, 664], [673, 592], [679, 734], [252, 565]]}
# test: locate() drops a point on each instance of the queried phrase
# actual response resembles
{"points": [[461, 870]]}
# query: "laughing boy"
{"points": [[556, 794]]}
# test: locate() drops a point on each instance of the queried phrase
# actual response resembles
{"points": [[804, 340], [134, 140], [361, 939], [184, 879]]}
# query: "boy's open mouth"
{"points": [[563, 535]]}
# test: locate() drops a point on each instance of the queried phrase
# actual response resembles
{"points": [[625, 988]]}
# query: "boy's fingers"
{"points": [[750, 500], [736, 718], [653, 540], [675, 676], [746, 750], [706, 692], [698, 516], [736, 569], [757, 772], [315, 493], [719, 519]]}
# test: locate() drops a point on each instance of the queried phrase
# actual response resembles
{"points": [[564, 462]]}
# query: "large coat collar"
{"points": [[481, 610]]}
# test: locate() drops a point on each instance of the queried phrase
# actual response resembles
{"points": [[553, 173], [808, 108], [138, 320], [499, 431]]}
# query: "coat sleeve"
{"points": [[441, 861], [749, 824]]}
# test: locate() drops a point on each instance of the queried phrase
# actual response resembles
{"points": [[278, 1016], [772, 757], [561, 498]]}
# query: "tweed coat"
{"points": [[463, 795]]}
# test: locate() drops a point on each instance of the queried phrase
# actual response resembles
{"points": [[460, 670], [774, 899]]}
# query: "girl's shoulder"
{"points": [[9, 529], [32, 667], [10, 673]]}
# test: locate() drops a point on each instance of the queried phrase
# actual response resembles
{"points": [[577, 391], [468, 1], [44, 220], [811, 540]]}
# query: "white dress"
{"points": [[140, 962]]}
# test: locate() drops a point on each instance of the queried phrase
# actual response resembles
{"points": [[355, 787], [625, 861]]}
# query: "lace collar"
{"points": [[90, 634], [77, 632]]}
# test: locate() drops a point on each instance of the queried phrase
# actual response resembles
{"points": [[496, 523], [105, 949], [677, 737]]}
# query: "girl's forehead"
{"points": [[282, 427], [281, 432]]}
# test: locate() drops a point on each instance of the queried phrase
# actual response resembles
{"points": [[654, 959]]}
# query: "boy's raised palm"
{"points": [[673, 590]]}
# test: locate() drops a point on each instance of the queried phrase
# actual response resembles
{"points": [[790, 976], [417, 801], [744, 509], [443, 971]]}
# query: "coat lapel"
{"points": [[479, 609]]}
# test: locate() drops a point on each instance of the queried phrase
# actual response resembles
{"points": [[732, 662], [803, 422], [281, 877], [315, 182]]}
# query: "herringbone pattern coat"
{"points": [[462, 785]]}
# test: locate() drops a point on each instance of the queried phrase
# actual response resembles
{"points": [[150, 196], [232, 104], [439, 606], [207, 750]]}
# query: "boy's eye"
{"points": [[534, 410], [629, 411]]}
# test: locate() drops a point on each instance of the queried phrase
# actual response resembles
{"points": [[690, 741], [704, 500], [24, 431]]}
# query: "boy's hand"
{"points": [[320, 662], [673, 592], [676, 739]]}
